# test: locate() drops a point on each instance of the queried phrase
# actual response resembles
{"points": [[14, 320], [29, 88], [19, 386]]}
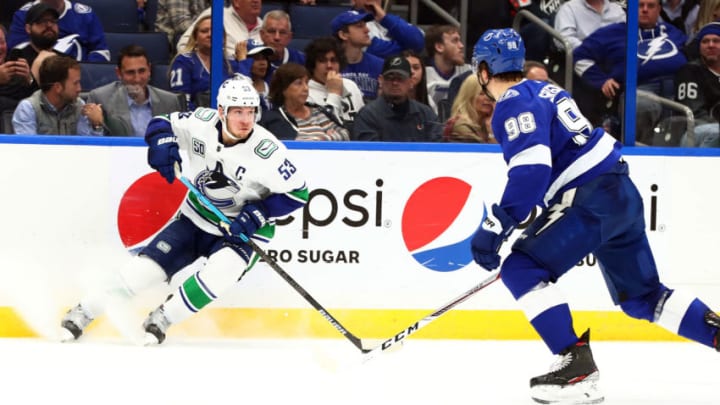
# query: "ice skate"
{"points": [[572, 379], [155, 327], [74, 322], [712, 319]]}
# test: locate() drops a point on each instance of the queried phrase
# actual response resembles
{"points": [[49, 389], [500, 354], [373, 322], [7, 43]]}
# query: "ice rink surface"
{"points": [[319, 372]]}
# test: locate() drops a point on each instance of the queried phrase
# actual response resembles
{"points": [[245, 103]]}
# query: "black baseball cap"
{"points": [[37, 11], [398, 65]]}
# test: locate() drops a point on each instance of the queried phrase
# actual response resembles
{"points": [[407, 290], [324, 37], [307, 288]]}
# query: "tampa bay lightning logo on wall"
{"points": [[217, 187], [438, 222]]}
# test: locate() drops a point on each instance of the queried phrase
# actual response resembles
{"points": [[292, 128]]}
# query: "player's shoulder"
{"points": [[265, 145]]}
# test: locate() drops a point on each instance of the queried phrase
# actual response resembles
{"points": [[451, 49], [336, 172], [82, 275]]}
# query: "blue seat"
{"points": [[313, 21], [159, 77], [115, 16], [93, 75], [299, 43], [155, 43], [272, 5]]}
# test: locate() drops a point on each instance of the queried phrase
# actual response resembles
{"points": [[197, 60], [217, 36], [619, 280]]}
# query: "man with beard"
{"points": [[394, 117], [41, 26], [80, 33], [697, 86], [57, 109]]}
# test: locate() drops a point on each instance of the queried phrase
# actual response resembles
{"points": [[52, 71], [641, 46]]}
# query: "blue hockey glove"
{"points": [[251, 218], [486, 241], [163, 153]]}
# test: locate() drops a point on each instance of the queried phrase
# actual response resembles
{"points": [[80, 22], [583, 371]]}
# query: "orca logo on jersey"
{"points": [[217, 187], [434, 215]]}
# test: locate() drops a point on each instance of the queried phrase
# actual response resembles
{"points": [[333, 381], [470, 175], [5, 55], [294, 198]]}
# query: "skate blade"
{"points": [[150, 340], [65, 336], [581, 393]]}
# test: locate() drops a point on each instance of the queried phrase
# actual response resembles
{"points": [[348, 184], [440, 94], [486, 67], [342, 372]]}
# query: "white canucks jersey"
{"points": [[230, 176]]}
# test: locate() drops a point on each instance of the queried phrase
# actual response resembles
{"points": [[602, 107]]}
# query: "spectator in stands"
{"points": [[389, 34], [471, 115], [350, 28], [276, 32], [324, 60], [708, 12], [257, 69], [56, 108], [576, 19], [538, 42], [697, 86], [292, 116], [15, 77], [129, 103], [535, 70], [176, 16], [241, 21], [446, 60], [43, 31], [418, 76], [80, 35], [190, 69], [394, 117], [680, 13], [600, 62]]}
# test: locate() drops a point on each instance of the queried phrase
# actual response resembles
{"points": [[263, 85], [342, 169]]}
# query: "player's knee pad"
{"points": [[140, 273], [647, 306], [521, 274], [221, 271]]}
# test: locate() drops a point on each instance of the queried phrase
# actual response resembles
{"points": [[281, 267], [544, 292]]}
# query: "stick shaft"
{"points": [[273, 264]]}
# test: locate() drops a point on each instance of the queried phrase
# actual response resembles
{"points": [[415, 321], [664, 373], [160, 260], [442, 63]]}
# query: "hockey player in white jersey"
{"points": [[239, 166]]}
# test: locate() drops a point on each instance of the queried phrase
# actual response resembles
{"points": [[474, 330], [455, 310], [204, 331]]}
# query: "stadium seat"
{"points": [[272, 5], [313, 21], [115, 16], [94, 75], [159, 77], [299, 43], [6, 125], [155, 43]]}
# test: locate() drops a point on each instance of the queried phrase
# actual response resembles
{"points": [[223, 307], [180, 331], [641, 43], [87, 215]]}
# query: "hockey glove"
{"points": [[163, 153], [251, 218], [486, 241]]}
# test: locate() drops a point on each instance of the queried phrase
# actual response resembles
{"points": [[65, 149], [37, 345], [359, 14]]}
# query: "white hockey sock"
{"points": [[137, 274], [220, 273], [674, 310]]}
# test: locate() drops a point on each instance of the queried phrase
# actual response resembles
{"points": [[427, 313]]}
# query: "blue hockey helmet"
{"points": [[502, 49]]}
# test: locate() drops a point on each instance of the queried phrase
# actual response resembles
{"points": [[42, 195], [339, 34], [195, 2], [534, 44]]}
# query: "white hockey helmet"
{"points": [[237, 91]]}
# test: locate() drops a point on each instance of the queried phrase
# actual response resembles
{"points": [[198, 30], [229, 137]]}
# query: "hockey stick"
{"points": [[400, 336], [357, 342], [273, 264]]}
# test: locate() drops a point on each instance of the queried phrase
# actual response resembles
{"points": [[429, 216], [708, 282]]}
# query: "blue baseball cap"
{"points": [[255, 47], [348, 18]]}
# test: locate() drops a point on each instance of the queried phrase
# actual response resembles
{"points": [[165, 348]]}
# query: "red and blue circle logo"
{"points": [[438, 222], [147, 205]]}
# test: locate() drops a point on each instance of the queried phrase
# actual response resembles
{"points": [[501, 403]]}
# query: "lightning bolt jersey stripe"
{"points": [[548, 144]]}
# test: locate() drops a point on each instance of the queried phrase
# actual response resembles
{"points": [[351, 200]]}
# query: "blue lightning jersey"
{"points": [[80, 32], [549, 146]]}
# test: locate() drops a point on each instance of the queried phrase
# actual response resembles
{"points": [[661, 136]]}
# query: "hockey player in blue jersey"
{"points": [[239, 166], [558, 161]]}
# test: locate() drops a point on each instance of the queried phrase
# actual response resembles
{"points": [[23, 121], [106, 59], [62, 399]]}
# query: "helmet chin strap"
{"points": [[483, 86]]}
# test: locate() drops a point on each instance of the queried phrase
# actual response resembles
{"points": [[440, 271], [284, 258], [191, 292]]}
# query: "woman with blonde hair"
{"points": [[190, 69], [470, 115]]}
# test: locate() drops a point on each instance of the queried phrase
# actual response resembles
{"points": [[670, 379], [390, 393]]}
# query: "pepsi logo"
{"points": [[438, 222]]}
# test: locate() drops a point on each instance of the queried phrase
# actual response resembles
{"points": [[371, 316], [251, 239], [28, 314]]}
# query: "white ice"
{"points": [[319, 372]]}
